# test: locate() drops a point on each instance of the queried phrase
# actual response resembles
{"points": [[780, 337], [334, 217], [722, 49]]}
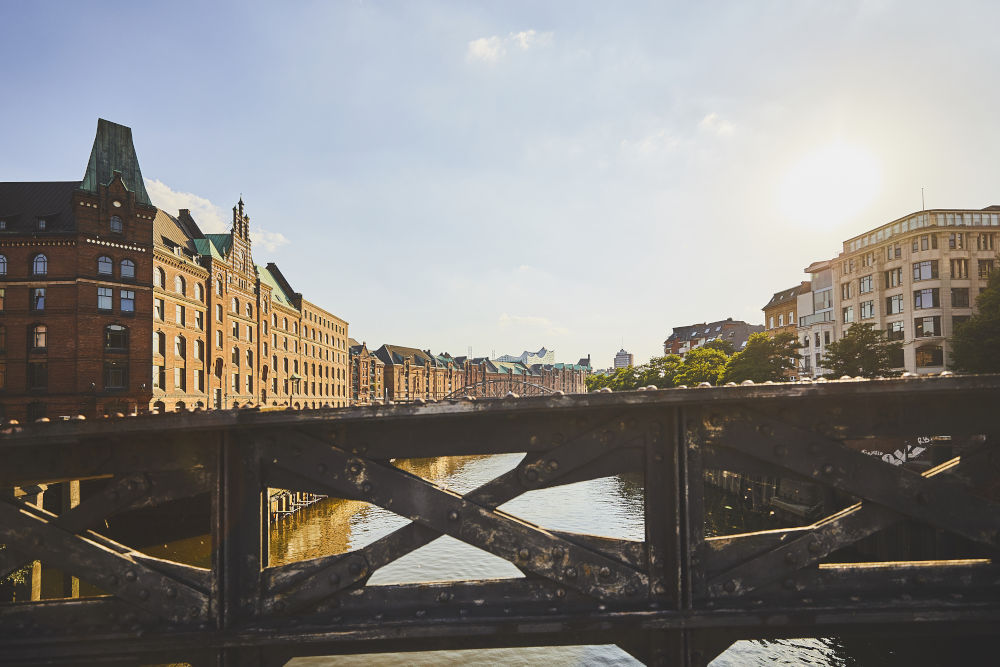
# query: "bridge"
{"points": [[500, 389], [677, 597]]}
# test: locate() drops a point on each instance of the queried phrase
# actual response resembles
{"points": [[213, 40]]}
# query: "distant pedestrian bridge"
{"points": [[501, 389]]}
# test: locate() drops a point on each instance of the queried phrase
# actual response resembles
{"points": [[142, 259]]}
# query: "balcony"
{"points": [[816, 318]]}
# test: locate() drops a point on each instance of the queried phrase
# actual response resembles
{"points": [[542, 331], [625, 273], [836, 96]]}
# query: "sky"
{"points": [[503, 176]]}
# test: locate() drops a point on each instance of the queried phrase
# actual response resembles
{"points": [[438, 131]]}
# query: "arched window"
{"points": [[236, 356], [159, 407], [39, 335], [274, 319], [236, 305], [159, 278], [199, 349], [179, 285], [40, 265], [180, 347], [284, 323], [115, 337], [105, 266], [199, 292], [3, 265], [116, 225], [128, 268], [249, 310], [159, 342]]}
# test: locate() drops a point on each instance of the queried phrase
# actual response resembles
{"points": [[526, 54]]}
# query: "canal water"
{"points": [[611, 507]]}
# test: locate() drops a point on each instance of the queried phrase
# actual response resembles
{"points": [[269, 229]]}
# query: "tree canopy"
{"points": [[702, 364], [763, 358], [863, 351], [659, 371], [975, 343]]}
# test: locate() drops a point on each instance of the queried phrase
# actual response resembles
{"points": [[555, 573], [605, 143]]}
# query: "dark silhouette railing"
{"points": [[676, 597]]}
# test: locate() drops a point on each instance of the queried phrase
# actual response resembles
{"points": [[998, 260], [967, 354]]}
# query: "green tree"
{"points": [[723, 346], [624, 379], [975, 344], [659, 371], [865, 351], [763, 358], [702, 364]]}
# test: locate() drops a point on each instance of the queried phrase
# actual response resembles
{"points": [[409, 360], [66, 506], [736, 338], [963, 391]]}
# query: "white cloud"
{"points": [[487, 49], [269, 241], [657, 141], [493, 48], [208, 216], [716, 124], [532, 325]]}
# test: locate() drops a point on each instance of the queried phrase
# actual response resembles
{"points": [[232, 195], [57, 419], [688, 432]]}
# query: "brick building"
{"points": [[97, 287], [367, 375], [684, 339], [780, 313]]}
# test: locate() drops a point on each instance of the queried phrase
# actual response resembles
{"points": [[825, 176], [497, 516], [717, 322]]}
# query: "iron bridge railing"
{"points": [[676, 597]]}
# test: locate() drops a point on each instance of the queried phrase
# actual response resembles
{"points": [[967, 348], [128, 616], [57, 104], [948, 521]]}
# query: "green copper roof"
{"points": [[222, 242], [207, 248], [277, 294], [113, 151]]}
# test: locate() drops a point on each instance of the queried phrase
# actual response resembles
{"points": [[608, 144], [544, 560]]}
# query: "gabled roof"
{"points": [[278, 294], [22, 204], [180, 231], [205, 247], [113, 151], [222, 242], [787, 295]]}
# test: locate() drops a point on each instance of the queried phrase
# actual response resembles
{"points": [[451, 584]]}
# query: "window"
{"points": [[199, 349], [249, 384], [218, 339], [236, 356], [199, 292], [105, 266], [236, 305], [848, 314], [218, 312], [127, 269], [180, 286], [179, 314], [893, 277], [284, 342], [867, 310], [926, 298], [250, 333], [236, 383], [159, 376], [179, 378], [826, 338], [105, 298], [127, 300], [38, 338], [930, 355], [249, 310], [959, 297], [894, 304], [250, 358], [158, 309], [115, 375], [199, 320], [38, 375], [285, 364], [956, 241], [180, 347], [199, 380], [38, 298], [40, 265], [159, 342], [846, 291], [218, 286], [115, 337], [984, 241], [116, 225], [894, 331], [959, 268], [236, 330], [927, 326], [284, 323], [865, 284], [40, 224], [985, 268], [925, 270], [274, 319], [781, 321], [159, 278]]}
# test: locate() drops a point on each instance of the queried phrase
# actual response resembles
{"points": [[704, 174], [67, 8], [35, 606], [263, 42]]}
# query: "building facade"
{"points": [[684, 339], [624, 359], [543, 356], [780, 313], [915, 278], [111, 305], [367, 375]]}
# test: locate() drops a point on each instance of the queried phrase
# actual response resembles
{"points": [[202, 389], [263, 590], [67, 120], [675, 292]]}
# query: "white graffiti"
{"points": [[900, 456]]}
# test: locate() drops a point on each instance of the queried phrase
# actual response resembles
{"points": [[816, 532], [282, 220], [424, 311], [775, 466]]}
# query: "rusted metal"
{"points": [[677, 597]]}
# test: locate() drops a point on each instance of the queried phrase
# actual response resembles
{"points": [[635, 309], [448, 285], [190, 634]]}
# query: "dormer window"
{"points": [[116, 225]]}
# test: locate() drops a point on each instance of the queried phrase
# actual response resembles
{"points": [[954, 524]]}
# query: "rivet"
{"points": [[553, 465], [605, 572], [171, 592], [355, 468], [453, 516], [570, 572], [730, 586], [557, 552], [531, 474], [659, 589], [560, 592], [130, 576], [523, 554]]}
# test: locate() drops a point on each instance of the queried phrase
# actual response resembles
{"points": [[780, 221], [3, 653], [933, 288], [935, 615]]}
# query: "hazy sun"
{"points": [[830, 185]]}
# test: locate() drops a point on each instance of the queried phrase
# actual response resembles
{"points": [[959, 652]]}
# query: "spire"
{"points": [[113, 151]]}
